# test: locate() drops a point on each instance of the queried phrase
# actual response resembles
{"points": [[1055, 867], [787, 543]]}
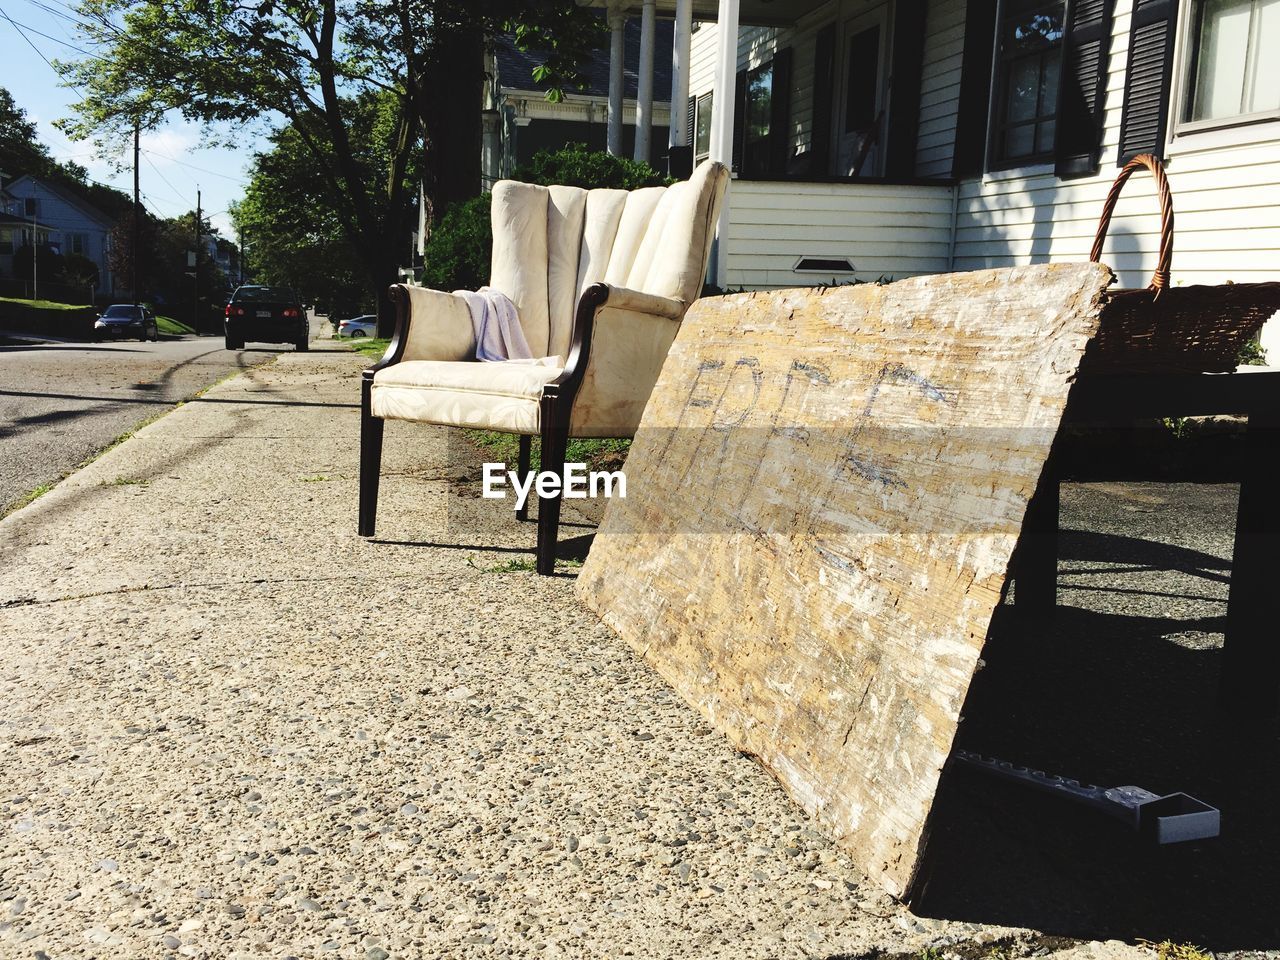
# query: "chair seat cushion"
{"points": [[485, 396]]}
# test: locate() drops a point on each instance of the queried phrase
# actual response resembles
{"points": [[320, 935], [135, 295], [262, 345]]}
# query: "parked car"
{"points": [[265, 315], [366, 326], [126, 320]]}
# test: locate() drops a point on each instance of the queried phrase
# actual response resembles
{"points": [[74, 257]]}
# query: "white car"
{"points": [[366, 326]]}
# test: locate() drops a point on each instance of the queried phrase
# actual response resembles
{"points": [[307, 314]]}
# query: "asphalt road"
{"points": [[63, 402]]}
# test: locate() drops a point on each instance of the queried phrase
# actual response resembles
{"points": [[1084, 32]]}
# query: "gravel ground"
{"points": [[231, 728]]}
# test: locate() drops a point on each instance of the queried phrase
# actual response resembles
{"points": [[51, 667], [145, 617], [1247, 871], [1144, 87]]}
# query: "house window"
{"points": [[1027, 70], [6, 242], [78, 243], [759, 117], [702, 128], [31, 206], [1232, 71]]}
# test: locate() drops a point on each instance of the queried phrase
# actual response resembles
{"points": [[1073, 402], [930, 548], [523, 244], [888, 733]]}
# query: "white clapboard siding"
{"points": [[885, 230], [940, 87], [1227, 204], [1227, 198]]}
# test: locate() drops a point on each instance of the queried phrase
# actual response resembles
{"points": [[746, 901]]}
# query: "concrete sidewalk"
{"points": [[229, 727]]}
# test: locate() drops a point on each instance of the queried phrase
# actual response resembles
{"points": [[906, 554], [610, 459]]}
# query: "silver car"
{"points": [[366, 326]]}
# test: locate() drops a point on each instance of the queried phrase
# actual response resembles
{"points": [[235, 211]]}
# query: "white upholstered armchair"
{"points": [[600, 280]]}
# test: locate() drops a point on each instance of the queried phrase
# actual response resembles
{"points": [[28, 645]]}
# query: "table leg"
{"points": [[1251, 653]]}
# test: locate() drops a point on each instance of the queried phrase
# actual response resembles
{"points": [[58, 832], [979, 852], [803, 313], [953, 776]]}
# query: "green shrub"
{"points": [[575, 166], [458, 251]]}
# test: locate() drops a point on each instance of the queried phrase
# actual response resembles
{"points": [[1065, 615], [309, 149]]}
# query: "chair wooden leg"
{"points": [[522, 468], [555, 438], [370, 462]]}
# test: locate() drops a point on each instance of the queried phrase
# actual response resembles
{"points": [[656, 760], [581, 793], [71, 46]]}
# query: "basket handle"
{"points": [[1160, 279]]}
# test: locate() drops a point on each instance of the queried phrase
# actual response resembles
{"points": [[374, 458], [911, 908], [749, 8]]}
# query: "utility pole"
{"points": [[195, 318], [133, 259], [35, 248]]}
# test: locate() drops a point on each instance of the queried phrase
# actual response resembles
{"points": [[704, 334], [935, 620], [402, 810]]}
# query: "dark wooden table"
{"points": [[1250, 679]]}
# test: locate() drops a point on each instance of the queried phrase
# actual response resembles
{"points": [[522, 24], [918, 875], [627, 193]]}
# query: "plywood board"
{"points": [[821, 505]]}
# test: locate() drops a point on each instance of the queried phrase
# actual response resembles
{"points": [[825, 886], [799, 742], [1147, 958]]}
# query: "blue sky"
{"points": [[173, 163]]}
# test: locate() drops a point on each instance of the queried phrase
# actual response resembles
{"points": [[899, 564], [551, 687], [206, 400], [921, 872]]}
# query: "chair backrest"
{"points": [[551, 243]]}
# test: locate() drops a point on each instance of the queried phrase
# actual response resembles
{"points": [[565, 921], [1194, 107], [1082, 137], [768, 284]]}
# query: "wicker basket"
{"points": [[1164, 329]]}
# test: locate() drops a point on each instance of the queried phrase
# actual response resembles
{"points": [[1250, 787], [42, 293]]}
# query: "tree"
{"points": [[220, 61], [292, 226]]}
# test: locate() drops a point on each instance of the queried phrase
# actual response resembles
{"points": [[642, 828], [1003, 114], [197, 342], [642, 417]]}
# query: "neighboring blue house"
{"points": [[66, 222]]}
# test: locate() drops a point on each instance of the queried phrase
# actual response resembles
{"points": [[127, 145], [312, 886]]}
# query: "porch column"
{"points": [[679, 125], [722, 105], [617, 57], [644, 86]]}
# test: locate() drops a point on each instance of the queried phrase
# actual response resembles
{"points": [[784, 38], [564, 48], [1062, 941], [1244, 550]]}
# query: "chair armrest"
{"points": [[430, 325], [621, 338], [624, 298]]}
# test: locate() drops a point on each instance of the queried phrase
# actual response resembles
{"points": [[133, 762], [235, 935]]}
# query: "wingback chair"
{"points": [[601, 280]]}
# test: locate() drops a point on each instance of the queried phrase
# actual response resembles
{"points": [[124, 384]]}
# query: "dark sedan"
{"points": [[266, 315], [126, 320]]}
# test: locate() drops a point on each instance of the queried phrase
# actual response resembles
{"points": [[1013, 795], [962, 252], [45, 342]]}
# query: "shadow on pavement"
{"points": [[1111, 689]]}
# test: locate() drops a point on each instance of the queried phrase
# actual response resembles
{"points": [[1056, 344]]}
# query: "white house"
{"points": [[68, 223], [899, 137], [519, 120]]}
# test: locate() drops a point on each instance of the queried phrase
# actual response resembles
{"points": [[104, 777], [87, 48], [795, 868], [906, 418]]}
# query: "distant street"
{"points": [[61, 403]]}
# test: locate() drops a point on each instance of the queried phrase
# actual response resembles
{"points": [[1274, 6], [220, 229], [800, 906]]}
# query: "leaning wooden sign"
{"points": [[821, 505]]}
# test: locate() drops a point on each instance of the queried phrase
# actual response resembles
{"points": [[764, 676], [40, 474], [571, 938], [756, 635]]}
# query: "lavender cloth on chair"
{"points": [[499, 335]]}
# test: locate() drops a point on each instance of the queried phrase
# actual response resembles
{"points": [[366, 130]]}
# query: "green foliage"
{"points": [[457, 254], [1252, 354], [296, 226], [459, 249], [230, 65], [596, 454], [575, 166]]}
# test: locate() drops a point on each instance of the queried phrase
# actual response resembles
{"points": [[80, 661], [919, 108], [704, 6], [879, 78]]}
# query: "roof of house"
{"points": [[21, 221], [90, 211], [515, 67]]}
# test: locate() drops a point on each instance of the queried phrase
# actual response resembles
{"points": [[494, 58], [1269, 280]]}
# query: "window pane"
{"points": [[1221, 57], [1044, 136], [1264, 93], [759, 102], [1020, 141], [863, 79], [702, 134], [1024, 89]]}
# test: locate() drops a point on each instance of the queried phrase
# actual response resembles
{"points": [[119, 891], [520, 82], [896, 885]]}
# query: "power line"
{"points": [[176, 192], [183, 163], [65, 43]]}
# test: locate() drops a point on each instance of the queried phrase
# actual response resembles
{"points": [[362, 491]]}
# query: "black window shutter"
{"points": [[690, 120], [1147, 77], [1082, 89], [739, 118], [824, 81], [780, 113], [904, 89], [975, 89]]}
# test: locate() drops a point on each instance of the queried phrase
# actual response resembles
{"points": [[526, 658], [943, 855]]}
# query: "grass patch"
{"points": [[596, 454], [42, 304], [514, 565], [172, 327], [370, 346], [126, 482], [1168, 950], [30, 497], [318, 478]]}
